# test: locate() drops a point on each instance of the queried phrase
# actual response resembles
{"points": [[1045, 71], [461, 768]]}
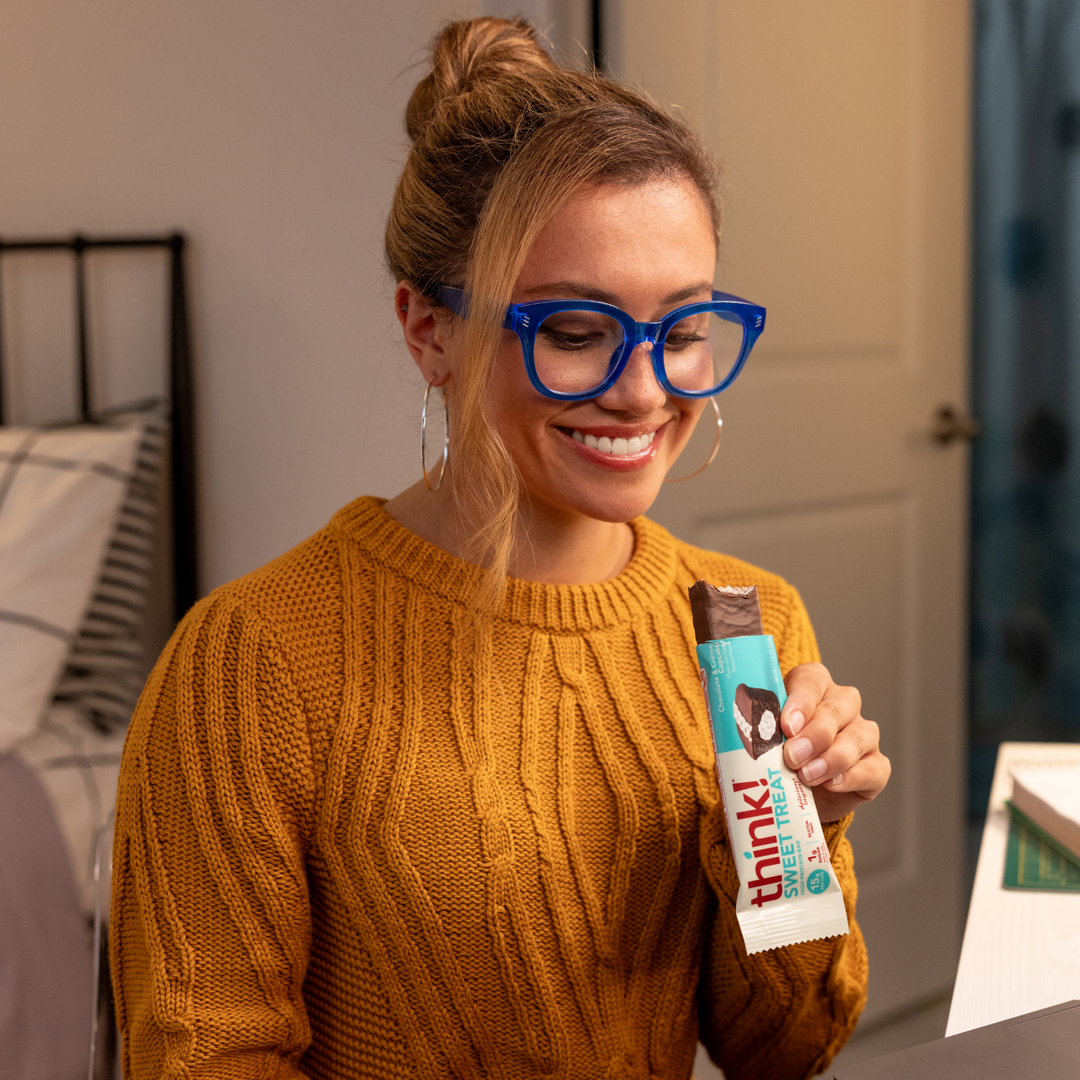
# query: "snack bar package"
{"points": [[787, 888]]}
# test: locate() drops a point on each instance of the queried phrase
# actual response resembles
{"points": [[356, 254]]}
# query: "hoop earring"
{"points": [[709, 459], [423, 441]]}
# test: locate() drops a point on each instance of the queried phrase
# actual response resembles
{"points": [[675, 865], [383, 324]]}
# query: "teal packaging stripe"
{"points": [[725, 664]]}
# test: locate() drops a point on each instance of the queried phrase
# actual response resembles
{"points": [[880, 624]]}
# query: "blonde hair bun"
{"points": [[467, 53]]}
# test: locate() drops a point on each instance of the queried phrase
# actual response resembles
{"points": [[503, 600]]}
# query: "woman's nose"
{"points": [[636, 389]]}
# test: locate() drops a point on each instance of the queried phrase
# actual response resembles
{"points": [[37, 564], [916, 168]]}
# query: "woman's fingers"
{"points": [[850, 745], [806, 686], [829, 743], [814, 715], [846, 760], [858, 785], [865, 778]]}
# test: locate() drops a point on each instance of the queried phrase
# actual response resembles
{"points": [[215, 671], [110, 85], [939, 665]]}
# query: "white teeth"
{"points": [[619, 446]]}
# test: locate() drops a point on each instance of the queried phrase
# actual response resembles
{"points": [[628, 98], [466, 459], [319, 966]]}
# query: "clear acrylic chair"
{"points": [[104, 1038]]}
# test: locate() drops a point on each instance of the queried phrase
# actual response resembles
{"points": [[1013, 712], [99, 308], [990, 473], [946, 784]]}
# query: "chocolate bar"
{"points": [[788, 890], [757, 714], [726, 612]]}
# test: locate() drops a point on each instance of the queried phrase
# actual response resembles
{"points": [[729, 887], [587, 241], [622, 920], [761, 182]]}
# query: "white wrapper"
{"points": [[788, 890]]}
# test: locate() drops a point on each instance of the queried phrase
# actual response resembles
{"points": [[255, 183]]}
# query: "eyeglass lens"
{"points": [[575, 350]]}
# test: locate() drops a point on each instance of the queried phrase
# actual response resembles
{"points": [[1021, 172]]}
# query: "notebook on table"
{"points": [[1050, 799], [1035, 861], [1040, 1045]]}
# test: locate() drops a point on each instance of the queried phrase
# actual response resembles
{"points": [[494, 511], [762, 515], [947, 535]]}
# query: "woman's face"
{"points": [[647, 249]]}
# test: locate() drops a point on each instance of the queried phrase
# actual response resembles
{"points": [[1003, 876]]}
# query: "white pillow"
{"points": [[60, 491]]}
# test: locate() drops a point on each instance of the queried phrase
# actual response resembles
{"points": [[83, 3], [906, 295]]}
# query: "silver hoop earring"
{"points": [[423, 441], [709, 459]]}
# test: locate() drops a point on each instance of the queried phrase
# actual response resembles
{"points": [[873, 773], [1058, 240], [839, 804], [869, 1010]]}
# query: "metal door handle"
{"points": [[951, 424]]}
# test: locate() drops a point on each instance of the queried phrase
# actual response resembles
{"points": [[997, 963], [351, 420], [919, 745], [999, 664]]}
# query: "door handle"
{"points": [[950, 424]]}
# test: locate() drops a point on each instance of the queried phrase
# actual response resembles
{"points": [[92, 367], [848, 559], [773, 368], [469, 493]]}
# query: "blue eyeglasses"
{"points": [[576, 349]]}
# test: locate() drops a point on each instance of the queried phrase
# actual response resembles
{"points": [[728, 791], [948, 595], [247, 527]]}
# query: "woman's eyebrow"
{"points": [[579, 290], [689, 292], [572, 290]]}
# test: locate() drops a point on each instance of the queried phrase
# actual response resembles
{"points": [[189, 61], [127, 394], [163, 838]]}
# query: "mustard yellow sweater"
{"points": [[357, 838]]}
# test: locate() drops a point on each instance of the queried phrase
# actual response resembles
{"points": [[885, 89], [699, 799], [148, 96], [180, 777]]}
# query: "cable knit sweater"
{"points": [[358, 837]]}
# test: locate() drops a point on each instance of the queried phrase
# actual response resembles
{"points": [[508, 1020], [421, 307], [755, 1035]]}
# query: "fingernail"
{"points": [[812, 771], [796, 720], [799, 749]]}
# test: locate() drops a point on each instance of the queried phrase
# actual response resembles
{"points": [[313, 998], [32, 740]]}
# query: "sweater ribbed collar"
{"points": [[640, 586]]}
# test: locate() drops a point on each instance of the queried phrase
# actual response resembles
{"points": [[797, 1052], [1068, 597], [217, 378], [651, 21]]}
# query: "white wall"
{"points": [[271, 132]]}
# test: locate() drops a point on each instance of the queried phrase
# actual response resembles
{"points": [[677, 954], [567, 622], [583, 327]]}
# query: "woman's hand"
{"points": [[829, 743]]}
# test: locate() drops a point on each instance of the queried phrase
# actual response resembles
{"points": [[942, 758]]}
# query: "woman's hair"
{"points": [[502, 137]]}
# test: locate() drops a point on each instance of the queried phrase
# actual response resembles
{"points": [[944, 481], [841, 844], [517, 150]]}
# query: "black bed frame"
{"points": [[185, 549]]}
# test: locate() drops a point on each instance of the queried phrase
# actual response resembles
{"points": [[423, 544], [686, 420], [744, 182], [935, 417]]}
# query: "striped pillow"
{"points": [[106, 668], [61, 491]]}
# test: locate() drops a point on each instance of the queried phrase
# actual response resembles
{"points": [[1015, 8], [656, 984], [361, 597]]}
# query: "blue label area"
{"points": [[818, 881], [728, 662]]}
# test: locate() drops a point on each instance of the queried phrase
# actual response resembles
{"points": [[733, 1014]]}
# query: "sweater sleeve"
{"points": [[210, 927], [784, 1013]]}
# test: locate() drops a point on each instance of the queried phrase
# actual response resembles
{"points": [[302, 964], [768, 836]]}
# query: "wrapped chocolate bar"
{"points": [[788, 891]]}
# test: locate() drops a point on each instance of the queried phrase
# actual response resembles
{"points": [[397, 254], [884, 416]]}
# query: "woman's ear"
{"points": [[426, 331]]}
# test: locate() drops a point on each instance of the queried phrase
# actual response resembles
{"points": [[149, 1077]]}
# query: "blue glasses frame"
{"points": [[525, 321]]}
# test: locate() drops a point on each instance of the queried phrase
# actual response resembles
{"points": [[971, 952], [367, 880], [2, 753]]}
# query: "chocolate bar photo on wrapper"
{"points": [[787, 889], [757, 716]]}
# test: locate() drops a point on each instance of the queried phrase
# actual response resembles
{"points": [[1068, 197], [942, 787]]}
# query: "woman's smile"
{"points": [[619, 447]]}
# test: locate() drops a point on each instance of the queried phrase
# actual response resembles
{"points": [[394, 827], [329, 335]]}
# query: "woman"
{"points": [[385, 812]]}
